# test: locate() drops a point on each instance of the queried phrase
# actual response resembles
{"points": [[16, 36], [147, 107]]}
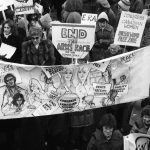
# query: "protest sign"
{"points": [[3, 6], [88, 18], [7, 50], [73, 40], [23, 7], [9, 2], [137, 141], [51, 90], [130, 29], [39, 8]]}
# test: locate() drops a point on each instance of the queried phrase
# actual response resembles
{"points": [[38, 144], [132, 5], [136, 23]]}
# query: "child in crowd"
{"points": [[104, 36]]}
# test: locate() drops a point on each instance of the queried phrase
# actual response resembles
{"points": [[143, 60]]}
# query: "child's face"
{"points": [[102, 24]]}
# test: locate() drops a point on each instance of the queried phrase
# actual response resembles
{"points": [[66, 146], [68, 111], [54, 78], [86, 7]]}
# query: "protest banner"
{"points": [[137, 141], [73, 40], [47, 90], [5, 69], [88, 18], [23, 7], [130, 29]]}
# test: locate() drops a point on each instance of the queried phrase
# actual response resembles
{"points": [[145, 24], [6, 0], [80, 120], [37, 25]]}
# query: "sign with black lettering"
{"points": [[73, 40], [130, 29], [23, 7], [88, 18]]}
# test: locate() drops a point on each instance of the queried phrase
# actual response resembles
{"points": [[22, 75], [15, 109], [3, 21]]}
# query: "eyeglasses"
{"points": [[35, 38]]}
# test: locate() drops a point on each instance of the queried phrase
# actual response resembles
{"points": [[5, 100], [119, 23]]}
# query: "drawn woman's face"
{"points": [[106, 75], [7, 29], [68, 75], [35, 88], [19, 101], [82, 74]]}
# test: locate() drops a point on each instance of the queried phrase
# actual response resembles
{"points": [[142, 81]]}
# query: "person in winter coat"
{"points": [[106, 136], [37, 51], [104, 6], [104, 36], [142, 125], [137, 6], [10, 37]]}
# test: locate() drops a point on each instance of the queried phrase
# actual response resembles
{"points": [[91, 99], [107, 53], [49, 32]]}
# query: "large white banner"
{"points": [[130, 29], [27, 91], [23, 7], [73, 40], [137, 141]]}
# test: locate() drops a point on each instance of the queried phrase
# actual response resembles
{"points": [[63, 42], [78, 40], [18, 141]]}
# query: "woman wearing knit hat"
{"points": [[137, 6], [124, 5], [104, 36], [37, 51], [104, 6]]}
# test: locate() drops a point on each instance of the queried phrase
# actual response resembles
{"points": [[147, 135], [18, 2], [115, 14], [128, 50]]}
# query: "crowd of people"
{"points": [[98, 129]]}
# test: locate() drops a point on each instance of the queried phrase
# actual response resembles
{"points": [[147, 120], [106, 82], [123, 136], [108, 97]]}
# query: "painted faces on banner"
{"points": [[142, 143]]}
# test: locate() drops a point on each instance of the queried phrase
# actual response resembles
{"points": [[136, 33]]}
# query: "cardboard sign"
{"points": [[73, 40], [88, 18], [7, 50], [23, 7], [130, 29]]}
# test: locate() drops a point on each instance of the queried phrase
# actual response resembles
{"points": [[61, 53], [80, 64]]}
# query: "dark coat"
{"points": [[43, 56], [14, 41], [105, 35], [136, 6], [99, 142]]}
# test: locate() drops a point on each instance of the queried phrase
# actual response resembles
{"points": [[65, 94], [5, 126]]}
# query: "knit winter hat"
{"points": [[124, 4], [103, 3], [35, 31], [103, 15]]}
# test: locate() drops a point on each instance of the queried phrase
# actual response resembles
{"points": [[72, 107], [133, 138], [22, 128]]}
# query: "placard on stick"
{"points": [[23, 7], [63, 35], [130, 29]]}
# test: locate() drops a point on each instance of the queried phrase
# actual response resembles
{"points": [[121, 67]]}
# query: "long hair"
{"points": [[12, 25], [74, 5]]}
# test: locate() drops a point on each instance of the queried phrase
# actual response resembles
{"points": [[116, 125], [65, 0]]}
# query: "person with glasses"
{"points": [[37, 51], [106, 136]]}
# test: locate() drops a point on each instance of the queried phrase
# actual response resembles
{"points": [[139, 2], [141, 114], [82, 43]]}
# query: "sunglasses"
{"points": [[35, 38]]}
